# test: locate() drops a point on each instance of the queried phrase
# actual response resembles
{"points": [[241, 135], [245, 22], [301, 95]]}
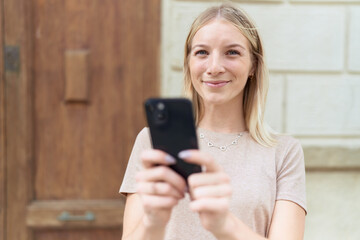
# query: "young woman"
{"points": [[254, 183]]}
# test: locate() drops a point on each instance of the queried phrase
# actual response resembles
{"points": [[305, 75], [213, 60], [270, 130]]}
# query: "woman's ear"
{"points": [[252, 72], [253, 67]]}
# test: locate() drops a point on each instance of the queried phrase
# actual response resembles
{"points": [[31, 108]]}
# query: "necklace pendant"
{"points": [[224, 147]]}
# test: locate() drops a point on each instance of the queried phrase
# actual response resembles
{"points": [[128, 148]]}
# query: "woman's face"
{"points": [[220, 62]]}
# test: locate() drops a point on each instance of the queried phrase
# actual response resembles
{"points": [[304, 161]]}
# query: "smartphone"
{"points": [[172, 129]]}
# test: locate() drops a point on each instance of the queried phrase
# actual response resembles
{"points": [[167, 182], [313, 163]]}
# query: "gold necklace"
{"points": [[223, 147]]}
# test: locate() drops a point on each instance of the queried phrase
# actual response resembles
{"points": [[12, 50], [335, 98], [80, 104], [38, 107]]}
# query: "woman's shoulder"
{"points": [[285, 141], [282, 142], [144, 133], [288, 146], [143, 137]]}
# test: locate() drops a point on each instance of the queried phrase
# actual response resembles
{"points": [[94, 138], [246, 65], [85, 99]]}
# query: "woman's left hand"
{"points": [[210, 191]]}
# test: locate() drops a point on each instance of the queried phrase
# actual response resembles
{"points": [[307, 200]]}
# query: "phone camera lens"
{"points": [[161, 116], [160, 106]]}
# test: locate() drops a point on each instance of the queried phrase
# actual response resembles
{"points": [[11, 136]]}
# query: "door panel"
{"points": [[78, 234], [65, 214], [91, 64], [75, 141], [79, 144]]}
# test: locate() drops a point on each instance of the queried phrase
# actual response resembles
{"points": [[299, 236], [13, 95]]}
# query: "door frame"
{"points": [[2, 129], [17, 120]]}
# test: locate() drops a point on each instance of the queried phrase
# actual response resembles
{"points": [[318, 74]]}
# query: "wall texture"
{"points": [[313, 53]]}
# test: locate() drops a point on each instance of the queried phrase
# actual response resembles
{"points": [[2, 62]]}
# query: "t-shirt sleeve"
{"points": [[142, 143], [291, 173]]}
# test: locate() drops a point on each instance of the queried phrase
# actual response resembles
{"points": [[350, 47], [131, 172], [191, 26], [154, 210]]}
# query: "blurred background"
{"points": [[74, 74]]}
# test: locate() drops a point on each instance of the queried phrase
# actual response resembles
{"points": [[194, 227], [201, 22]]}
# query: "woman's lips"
{"points": [[216, 83]]}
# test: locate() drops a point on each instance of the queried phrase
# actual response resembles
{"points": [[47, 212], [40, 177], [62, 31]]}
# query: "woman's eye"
{"points": [[201, 52], [233, 52]]}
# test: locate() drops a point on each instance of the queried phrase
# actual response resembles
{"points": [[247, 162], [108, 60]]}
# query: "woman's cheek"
{"points": [[198, 66]]}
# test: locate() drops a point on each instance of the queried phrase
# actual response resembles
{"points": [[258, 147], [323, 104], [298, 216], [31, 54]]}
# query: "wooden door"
{"points": [[75, 75]]}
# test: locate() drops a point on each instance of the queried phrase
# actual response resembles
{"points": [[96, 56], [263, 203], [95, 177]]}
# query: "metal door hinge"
{"points": [[12, 58]]}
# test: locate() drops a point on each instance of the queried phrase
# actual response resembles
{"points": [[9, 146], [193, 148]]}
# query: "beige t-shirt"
{"points": [[259, 176]]}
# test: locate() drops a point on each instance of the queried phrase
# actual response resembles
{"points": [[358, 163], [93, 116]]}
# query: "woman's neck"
{"points": [[226, 118]]}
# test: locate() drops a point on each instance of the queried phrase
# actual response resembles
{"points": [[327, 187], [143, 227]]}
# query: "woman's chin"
{"points": [[215, 101]]}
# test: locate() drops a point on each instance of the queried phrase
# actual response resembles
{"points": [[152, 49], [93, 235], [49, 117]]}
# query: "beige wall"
{"points": [[313, 53]]}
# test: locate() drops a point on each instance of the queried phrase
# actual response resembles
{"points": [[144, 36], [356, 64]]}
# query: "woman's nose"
{"points": [[215, 65]]}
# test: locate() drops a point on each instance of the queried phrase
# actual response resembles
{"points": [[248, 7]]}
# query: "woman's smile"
{"points": [[216, 84]]}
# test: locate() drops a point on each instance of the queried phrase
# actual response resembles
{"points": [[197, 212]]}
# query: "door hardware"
{"points": [[67, 217], [12, 58]]}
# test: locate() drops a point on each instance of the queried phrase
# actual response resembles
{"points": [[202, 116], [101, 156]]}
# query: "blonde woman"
{"points": [[254, 183]]}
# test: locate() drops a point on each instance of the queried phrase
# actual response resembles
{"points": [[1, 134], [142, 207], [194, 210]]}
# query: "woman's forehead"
{"points": [[219, 31]]}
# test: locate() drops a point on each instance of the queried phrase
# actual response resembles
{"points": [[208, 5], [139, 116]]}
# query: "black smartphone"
{"points": [[172, 129]]}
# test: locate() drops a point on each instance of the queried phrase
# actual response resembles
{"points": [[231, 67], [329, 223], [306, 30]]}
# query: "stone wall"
{"points": [[313, 53]]}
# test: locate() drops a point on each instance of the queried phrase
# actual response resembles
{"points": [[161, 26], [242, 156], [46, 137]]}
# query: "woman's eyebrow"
{"points": [[199, 45], [236, 45], [227, 46]]}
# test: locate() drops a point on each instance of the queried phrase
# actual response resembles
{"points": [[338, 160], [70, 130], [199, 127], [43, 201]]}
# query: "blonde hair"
{"points": [[256, 88]]}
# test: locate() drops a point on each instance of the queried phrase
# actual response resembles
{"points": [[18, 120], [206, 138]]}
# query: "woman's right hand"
{"points": [[159, 187]]}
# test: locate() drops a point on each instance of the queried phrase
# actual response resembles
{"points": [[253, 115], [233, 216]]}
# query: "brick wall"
{"points": [[313, 53]]}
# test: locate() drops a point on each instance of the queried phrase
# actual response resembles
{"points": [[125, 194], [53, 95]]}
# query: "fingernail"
{"points": [[170, 159], [184, 154]]}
